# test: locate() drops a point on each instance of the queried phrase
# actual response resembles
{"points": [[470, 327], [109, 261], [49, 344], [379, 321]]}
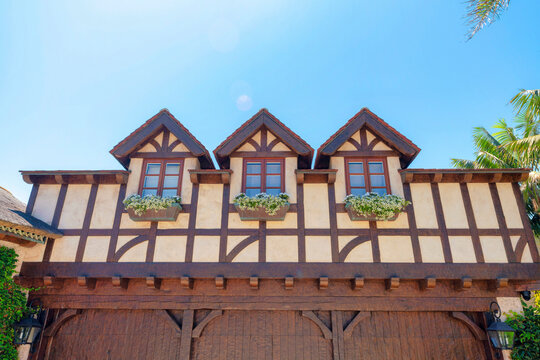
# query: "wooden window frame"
{"points": [[263, 162], [367, 181], [161, 176]]}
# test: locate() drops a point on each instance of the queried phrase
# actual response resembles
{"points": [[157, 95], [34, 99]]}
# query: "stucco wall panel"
{"points": [[347, 146], [290, 222], [74, 207], [395, 179], [180, 148], [318, 249], [209, 206], [105, 207], [431, 249], [340, 188], [170, 249], [281, 249], [187, 186], [370, 137], [361, 254], [509, 206], [148, 148], [493, 249], [452, 204], [127, 223], [402, 222], [46, 202], [462, 249], [280, 147], [246, 147], [249, 254], [291, 164], [482, 204], [136, 253], [135, 168], [424, 208], [236, 177], [526, 257], [396, 249], [316, 209], [96, 249], [65, 248], [381, 146], [344, 222], [181, 222], [236, 223], [206, 249]]}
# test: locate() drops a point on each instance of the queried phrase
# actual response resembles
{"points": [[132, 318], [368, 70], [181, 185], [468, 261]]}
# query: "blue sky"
{"points": [[76, 77]]}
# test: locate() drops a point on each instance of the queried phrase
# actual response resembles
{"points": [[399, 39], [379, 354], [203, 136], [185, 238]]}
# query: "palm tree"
{"points": [[514, 147], [484, 12]]}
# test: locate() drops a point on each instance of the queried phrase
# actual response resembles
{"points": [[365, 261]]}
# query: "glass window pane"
{"points": [[253, 167], [358, 191], [253, 181], [376, 167], [151, 181], [170, 182], [380, 191], [252, 192], [356, 168], [377, 180], [273, 181], [153, 169], [273, 168], [172, 169], [149, 192], [169, 192], [273, 191], [357, 180]]}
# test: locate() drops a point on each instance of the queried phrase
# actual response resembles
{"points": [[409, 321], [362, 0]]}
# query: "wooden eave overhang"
{"points": [[315, 176], [210, 176], [75, 176], [151, 128], [272, 124], [406, 149], [14, 232], [463, 175]]}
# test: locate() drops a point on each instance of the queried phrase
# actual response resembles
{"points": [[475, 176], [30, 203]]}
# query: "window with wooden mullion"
{"points": [[263, 175], [367, 175], [161, 177]]}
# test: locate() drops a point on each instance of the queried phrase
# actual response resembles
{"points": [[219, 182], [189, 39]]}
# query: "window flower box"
{"points": [[168, 214], [262, 207], [153, 208], [374, 207]]}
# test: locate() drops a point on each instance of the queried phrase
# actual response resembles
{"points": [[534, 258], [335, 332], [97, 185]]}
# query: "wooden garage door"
{"points": [[156, 334], [250, 335], [412, 335]]}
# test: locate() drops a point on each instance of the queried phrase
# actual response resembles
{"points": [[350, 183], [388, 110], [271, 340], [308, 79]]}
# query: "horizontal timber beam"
{"points": [[513, 271]]}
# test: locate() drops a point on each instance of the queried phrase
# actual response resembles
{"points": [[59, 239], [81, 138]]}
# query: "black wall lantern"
{"points": [[500, 333], [28, 329]]}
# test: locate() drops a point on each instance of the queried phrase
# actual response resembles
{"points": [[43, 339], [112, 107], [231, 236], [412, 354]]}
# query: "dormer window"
{"points": [[366, 175], [161, 177], [263, 175]]}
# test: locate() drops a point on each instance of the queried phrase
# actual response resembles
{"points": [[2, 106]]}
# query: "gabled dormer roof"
{"points": [[264, 119], [163, 120], [405, 148]]}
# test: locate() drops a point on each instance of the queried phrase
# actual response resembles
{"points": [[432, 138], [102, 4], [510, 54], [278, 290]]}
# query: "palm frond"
{"points": [[463, 164], [527, 102], [483, 12]]}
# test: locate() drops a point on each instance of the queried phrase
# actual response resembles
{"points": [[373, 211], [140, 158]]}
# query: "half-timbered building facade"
{"points": [[314, 285]]}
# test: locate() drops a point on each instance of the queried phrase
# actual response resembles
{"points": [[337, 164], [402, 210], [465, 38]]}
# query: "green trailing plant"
{"points": [[151, 202], [527, 338], [12, 303], [270, 203], [382, 207]]}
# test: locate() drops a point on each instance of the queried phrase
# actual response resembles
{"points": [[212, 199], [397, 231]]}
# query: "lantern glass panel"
{"points": [[21, 334]]}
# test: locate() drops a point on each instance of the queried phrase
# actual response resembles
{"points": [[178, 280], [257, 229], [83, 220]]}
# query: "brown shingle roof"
{"points": [[13, 215]]}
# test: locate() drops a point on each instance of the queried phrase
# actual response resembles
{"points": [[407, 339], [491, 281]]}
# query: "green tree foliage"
{"points": [[527, 326], [12, 302], [481, 13], [514, 147]]}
